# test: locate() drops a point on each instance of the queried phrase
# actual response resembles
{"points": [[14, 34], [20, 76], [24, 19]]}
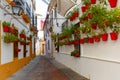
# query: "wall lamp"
{"points": [[16, 9]]}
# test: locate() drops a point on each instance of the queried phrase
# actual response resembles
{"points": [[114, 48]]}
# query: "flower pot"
{"points": [[90, 40], [106, 24], [94, 26], [18, 50], [93, 1], [89, 15], [22, 36], [87, 6], [112, 3], [83, 8], [76, 55], [104, 37], [96, 38], [114, 35], [81, 41], [76, 42], [6, 28]]}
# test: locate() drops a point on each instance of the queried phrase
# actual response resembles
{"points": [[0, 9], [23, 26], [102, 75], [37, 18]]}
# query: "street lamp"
{"points": [[17, 9]]}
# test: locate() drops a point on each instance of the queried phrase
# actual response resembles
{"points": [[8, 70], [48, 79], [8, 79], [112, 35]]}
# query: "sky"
{"points": [[41, 8]]}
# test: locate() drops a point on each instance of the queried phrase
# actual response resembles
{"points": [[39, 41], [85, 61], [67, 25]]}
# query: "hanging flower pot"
{"points": [[87, 6], [22, 36], [6, 28], [93, 1], [18, 50], [83, 8], [76, 55], [90, 40], [89, 15], [96, 38], [76, 42], [81, 41], [112, 3], [106, 24], [104, 37], [114, 35], [94, 26]]}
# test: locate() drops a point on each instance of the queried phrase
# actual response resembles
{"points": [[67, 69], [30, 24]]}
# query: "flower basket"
{"points": [[90, 40], [104, 37], [96, 38], [112, 3], [114, 35], [18, 50], [81, 41], [93, 1]]}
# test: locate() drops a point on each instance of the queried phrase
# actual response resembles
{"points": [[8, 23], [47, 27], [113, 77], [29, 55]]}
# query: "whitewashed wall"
{"points": [[7, 49], [98, 61]]}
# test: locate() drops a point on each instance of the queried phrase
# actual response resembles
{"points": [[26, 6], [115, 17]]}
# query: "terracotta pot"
{"points": [[22, 36], [6, 29], [18, 50], [90, 40], [94, 26], [104, 37], [76, 42], [112, 3], [83, 8], [93, 1], [114, 35], [76, 55], [96, 38], [81, 41]]}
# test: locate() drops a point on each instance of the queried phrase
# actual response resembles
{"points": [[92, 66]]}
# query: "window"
{"points": [[65, 25], [55, 11]]}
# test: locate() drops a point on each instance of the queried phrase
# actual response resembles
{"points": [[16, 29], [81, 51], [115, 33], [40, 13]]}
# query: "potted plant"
{"points": [[75, 53], [8, 38], [22, 34], [18, 50], [6, 26], [93, 1], [112, 3], [114, 33]]}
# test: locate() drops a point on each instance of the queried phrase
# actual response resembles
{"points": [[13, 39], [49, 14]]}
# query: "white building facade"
{"points": [[98, 61], [14, 55]]}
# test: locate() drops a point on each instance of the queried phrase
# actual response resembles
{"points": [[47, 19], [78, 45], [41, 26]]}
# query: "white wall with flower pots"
{"points": [[98, 61], [7, 49]]}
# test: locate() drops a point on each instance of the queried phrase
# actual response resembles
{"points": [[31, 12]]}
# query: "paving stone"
{"points": [[42, 68]]}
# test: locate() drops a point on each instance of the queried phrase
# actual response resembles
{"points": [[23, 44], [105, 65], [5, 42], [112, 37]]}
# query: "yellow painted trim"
{"points": [[0, 40], [10, 2], [8, 69]]}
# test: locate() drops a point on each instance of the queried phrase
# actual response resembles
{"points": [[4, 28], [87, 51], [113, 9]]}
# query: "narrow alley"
{"points": [[43, 68]]}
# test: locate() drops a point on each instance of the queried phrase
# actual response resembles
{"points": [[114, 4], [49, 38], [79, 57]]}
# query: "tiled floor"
{"points": [[42, 68]]}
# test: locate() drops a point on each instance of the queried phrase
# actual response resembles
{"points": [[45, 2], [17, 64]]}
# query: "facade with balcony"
{"points": [[98, 59], [18, 33]]}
